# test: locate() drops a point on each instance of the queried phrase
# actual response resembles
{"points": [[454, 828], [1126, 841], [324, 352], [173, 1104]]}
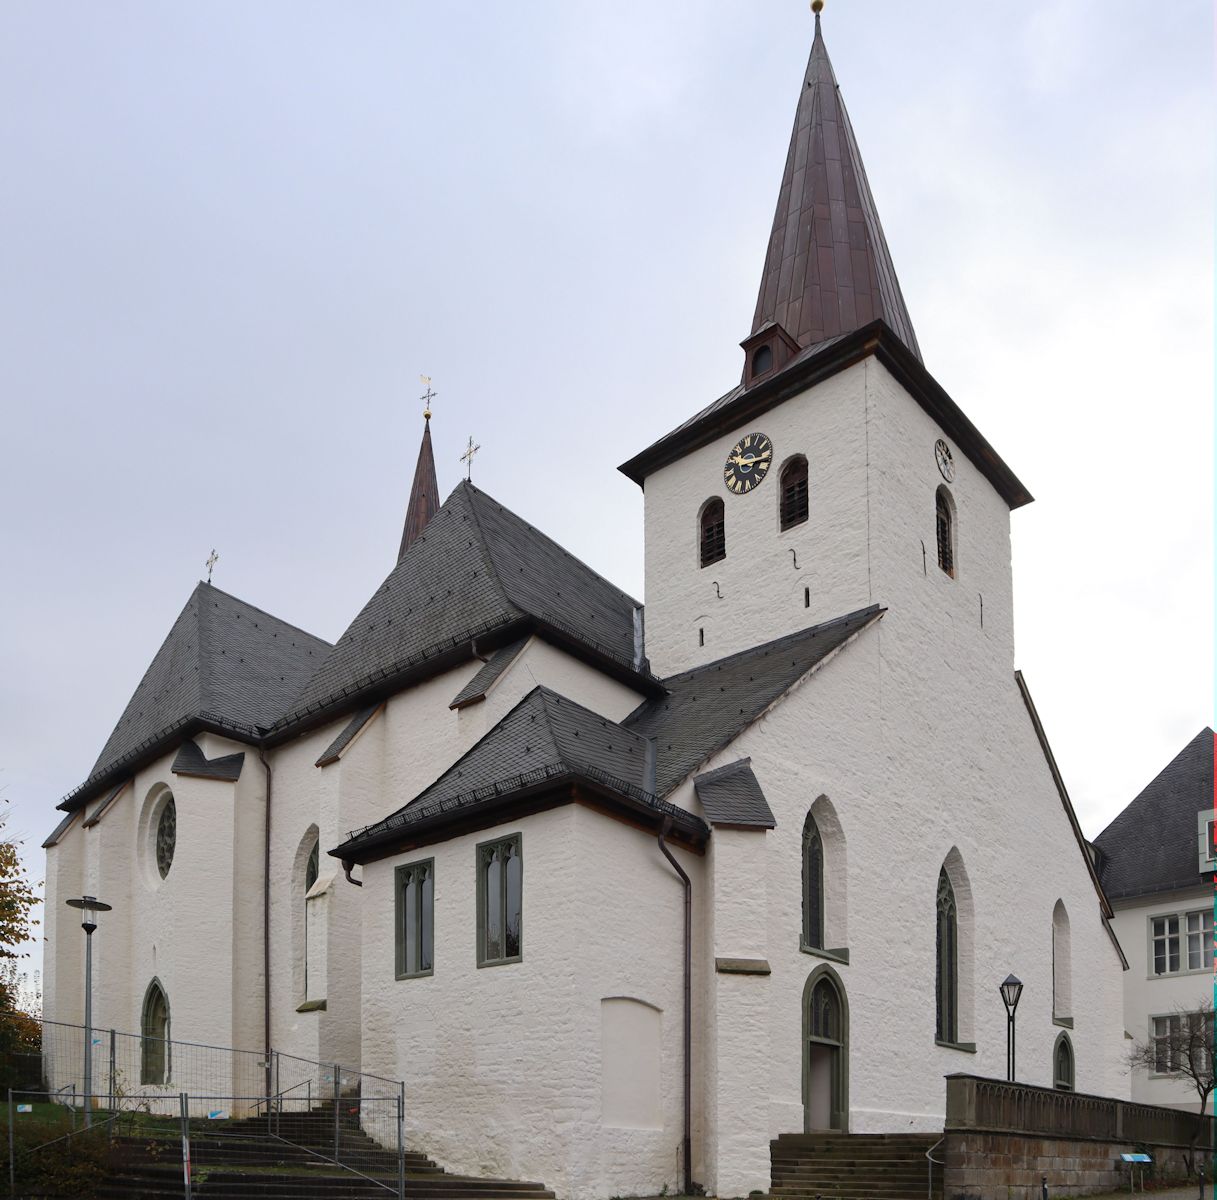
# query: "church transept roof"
{"points": [[477, 571], [225, 665]]}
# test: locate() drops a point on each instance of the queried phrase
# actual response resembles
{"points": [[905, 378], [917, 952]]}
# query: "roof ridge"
{"points": [[775, 642], [255, 608], [484, 550], [553, 541]]}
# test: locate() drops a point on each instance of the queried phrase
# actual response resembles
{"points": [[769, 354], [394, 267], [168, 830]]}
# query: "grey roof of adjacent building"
{"points": [[708, 707], [191, 760], [476, 569], [475, 690], [225, 665], [544, 740], [333, 752], [731, 795], [1152, 845]]}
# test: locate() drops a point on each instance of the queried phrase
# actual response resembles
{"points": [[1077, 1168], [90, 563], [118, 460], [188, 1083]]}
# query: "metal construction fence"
{"points": [[167, 1110]]}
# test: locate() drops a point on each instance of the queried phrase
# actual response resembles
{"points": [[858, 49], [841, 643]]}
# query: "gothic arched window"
{"points": [[154, 1036], [944, 519], [946, 987], [713, 530], [166, 836], [1062, 968], [813, 885], [312, 869], [1062, 1064], [794, 493]]}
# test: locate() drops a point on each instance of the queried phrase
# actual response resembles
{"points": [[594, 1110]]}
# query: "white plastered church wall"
{"points": [[918, 735], [1147, 995], [505, 1065]]}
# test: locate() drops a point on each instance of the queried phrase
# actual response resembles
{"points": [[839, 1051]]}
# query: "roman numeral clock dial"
{"points": [[748, 463]]}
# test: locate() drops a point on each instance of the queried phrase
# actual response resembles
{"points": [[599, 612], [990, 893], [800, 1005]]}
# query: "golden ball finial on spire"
{"points": [[817, 6]]}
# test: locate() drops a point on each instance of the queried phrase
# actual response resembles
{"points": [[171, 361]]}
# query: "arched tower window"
{"points": [[154, 1036], [166, 835], [794, 493], [813, 885], [762, 361], [713, 530], [947, 980], [1062, 970], [1062, 1064], [944, 516]]}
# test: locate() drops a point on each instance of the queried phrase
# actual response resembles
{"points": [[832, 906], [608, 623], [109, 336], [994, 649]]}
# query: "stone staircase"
{"points": [[843, 1166], [257, 1159]]}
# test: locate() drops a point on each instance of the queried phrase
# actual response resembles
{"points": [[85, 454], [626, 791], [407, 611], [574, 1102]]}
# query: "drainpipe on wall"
{"points": [[686, 1150], [347, 868], [266, 924]]}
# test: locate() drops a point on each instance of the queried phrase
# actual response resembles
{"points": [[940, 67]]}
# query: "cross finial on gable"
{"points": [[427, 396], [467, 457], [212, 559]]}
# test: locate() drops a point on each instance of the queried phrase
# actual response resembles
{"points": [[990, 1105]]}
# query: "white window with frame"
{"points": [[1173, 1040], [1181, 942], [1205, 821]]}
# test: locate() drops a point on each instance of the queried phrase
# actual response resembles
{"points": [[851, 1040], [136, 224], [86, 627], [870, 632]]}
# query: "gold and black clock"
{"points": [[748, 463]]}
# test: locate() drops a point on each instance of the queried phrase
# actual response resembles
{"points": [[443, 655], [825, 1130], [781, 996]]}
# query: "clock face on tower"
{"points": [[748, 463]]}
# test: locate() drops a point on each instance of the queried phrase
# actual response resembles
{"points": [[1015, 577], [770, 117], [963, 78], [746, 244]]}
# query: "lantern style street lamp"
{"points": [[89, 906], [1010, 990]]}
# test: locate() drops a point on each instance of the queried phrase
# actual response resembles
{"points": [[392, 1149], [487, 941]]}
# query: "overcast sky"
{"points": [[235, 234]]}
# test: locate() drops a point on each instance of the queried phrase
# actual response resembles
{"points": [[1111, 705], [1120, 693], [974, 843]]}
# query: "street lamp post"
{"points": [[1010, 990], [89, 906]]}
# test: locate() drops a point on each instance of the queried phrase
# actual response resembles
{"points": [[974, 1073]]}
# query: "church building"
{"points": [[623, 893]]}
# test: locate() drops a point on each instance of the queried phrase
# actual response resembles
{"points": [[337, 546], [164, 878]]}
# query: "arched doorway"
{"points": [[154, 1043], [825, 1053]]}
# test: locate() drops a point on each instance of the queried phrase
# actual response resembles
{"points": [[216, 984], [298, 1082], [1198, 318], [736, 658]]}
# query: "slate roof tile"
{"points": [[190, 760], [333, 752], [731, 795], [475, 690], [1152, 846], [708, 707]]}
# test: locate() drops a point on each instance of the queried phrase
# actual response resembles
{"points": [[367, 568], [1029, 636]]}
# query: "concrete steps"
{"points": [[832, 1166]]}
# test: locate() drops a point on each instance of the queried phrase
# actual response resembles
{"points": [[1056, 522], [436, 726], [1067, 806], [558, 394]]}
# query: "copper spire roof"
{"points": [[424, 495], [828, 270]]}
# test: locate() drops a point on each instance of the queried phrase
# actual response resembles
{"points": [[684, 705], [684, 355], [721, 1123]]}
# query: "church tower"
{"points": [[424, 494], [838, 474]]}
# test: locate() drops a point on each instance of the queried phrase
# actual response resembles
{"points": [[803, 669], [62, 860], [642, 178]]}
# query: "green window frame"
{"points": [[500, 901], [414, 890]]}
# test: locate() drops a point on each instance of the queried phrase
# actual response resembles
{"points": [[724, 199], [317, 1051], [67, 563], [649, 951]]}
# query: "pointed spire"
{"points": [[424, 495], [828, 270]]}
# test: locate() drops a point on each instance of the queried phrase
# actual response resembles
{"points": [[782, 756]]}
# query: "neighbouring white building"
{"points": [[1156, 862], [512, 839]]}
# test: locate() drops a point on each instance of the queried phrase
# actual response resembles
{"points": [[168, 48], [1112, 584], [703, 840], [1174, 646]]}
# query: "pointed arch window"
{"points": [[154, 1036], [813, 885], [947, 980], [713, 532], [794, 507], [944, 517], [1062, 1064], [312, 869]]}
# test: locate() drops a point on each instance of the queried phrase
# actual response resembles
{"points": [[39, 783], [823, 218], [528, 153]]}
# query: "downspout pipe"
{"points": [[347, 868], [266, 922], [687, 1145]]}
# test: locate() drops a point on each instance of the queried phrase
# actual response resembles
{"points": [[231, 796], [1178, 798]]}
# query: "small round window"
{"points": [[166, 837]]}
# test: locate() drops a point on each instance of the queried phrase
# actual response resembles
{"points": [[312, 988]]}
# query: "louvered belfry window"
{"points": [[713, 533], [946, 532], [794, 493]]}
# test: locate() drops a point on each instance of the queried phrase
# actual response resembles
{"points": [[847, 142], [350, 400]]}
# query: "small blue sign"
{"points": [[25, 1108], [217, 1114], [1136, 1158]]}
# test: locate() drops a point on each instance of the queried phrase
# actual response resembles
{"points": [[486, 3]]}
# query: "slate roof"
{"points": [[731, 795], [475, 690], [1152, 846], [190, 760], [333, 752], [544, 740], [476, 571], [828, 269], [708, 707], [225, 665]]}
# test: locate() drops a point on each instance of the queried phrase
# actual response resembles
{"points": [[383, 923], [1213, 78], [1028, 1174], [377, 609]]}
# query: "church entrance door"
{"points": [[825, 1046]]}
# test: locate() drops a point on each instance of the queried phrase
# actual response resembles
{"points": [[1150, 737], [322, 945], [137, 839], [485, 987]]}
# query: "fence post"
{"points": [[278, 1095], [401, 1142], [185, 1103], [337, 1090], [12, 1170], [113, 1069]]}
